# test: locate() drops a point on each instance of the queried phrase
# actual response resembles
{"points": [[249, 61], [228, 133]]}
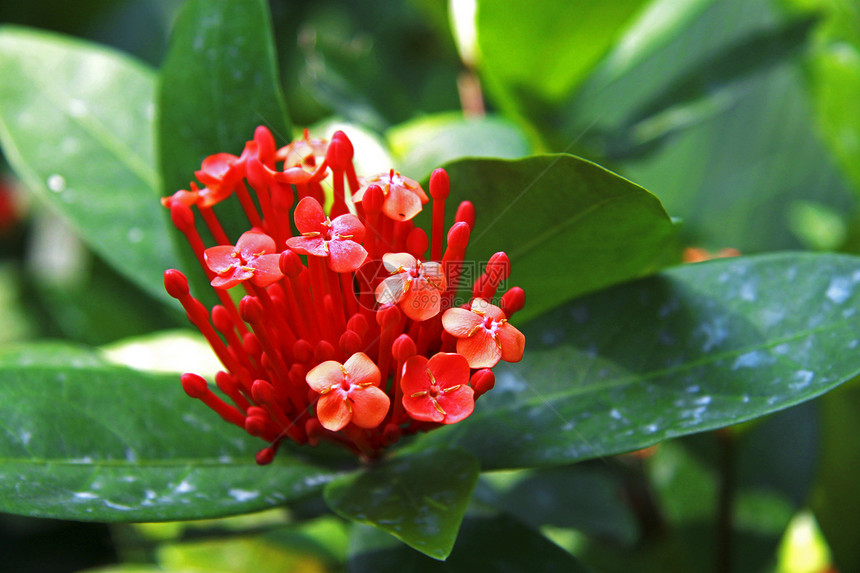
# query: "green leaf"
{"points": [[76, 124], [695, 348], [85, 440], [666, 45], [722, 121], [218, 83], [734, 177], [835, 86], [544, 48], [420, 498], [569, 226], [589, 497], [426, 143], [711, 87], [373, 63], [677, 495], [497, 543]]}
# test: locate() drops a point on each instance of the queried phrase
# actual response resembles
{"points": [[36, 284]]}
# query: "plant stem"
{"points": [[725, 500]]}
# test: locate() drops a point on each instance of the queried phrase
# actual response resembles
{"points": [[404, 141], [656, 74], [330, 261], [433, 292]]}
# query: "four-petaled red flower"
{"points": [[437, 390], [338, 240], [220, 173], [403, 196], [484, 333], [254, 258], [349, 392], [417, 287]]}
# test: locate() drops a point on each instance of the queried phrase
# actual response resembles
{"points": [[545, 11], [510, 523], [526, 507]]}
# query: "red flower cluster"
{"points": [[346, 331]]}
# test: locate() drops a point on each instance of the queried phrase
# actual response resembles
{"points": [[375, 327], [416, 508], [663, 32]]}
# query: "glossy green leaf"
{"points": [[82, 439], [218, 83], [420, 498], [569, 226], [694, 348], [76, 123], [543, 49], [497, 543], [426, 143]]}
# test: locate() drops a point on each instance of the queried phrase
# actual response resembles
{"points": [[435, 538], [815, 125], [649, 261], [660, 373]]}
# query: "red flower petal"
{"points": [[489, 310], [421, 301], [209, 196], [309, 216], [480, 349], [332, 410], [450, 401], [345, 255], [315, 246], [421, 408], [433, 275], [266, 270], [362, 370], [458, 404], [348, 226], [253, 244], [414, 377], [412, 186], [449, 369], [324, 375], [187, 198], [459, 322], [215, 167], [369, 406], [392, 289], [229, 281], [397, 262], [220, 259], [401, 204], [513, 342]]}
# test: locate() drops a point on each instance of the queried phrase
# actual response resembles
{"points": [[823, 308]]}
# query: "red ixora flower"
{"points": [[403, 196], [324, 347], [338, 240], [417, 287], [253, 258], [484, 334], [437, 390], [349, 393]]}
